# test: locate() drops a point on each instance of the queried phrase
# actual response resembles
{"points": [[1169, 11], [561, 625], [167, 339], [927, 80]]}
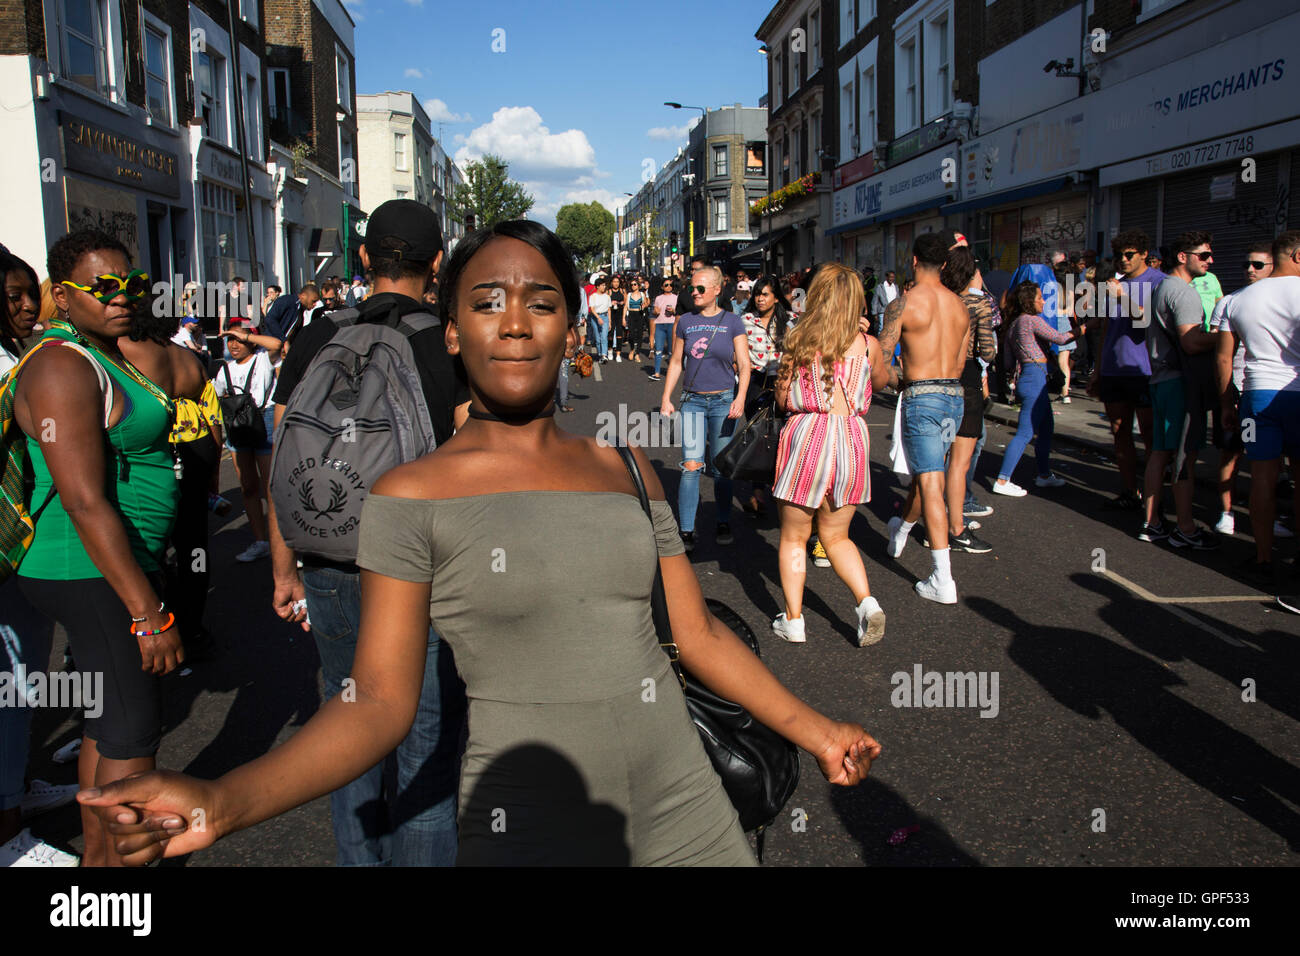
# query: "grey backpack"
{"points": [[358, 411]]}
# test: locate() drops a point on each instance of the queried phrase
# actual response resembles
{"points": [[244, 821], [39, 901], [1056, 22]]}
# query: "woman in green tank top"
{"points": [[101, 456]]}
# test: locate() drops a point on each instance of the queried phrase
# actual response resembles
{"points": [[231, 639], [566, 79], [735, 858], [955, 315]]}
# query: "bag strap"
{"points": [[658, 601], [101, 374], [700, 361]]}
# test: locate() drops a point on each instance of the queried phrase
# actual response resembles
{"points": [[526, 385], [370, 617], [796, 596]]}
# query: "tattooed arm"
{"points": [[891, 327]]}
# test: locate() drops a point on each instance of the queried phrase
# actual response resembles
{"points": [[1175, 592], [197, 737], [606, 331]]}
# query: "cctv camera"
{"points": [[1051, 65]]}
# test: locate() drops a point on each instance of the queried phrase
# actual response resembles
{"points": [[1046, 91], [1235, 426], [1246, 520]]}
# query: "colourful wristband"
{"points": [[171, 619]]}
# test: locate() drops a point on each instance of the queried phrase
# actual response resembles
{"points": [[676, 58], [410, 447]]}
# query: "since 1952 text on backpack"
{"points": [[358, 411]]}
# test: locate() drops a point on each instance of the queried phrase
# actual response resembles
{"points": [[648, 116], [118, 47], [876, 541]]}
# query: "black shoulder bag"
{"points": [[244, 424], [759, 768]]}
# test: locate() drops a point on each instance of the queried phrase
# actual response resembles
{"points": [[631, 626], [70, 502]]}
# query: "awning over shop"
{"points": [[763, 242], [883, 217], [1009, 196]]}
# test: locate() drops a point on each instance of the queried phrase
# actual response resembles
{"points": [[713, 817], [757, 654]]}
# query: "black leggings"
{"points": [[130, 722], [636, 329], [188, 593]]}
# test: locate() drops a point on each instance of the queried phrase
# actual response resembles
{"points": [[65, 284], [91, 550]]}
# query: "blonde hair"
{"points": [[48, 309], [829, 324], [714, 273]]}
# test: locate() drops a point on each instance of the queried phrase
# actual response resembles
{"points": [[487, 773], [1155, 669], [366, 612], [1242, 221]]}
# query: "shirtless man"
{"points": [[934, 326]]}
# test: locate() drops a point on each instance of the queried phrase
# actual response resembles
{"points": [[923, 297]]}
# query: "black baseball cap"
{"points": [[403, 229]]}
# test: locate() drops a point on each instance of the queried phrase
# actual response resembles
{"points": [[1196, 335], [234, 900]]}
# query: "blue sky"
{"points": [[575, 101]]}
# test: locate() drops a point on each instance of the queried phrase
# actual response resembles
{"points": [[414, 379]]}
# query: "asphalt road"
{"points": [[1121, 734]]}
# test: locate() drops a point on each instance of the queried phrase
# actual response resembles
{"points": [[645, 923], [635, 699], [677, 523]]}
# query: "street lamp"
{"points": [[703, 118]]}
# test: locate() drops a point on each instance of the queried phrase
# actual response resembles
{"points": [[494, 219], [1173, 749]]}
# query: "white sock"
{"points": [[905, 528], [868, 605], [942, 564]]}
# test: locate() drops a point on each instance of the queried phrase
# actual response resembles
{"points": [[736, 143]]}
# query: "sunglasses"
{"points": [[698, 288], [1252, 264], [1203, 256], [1128, 255], [109, 286]]}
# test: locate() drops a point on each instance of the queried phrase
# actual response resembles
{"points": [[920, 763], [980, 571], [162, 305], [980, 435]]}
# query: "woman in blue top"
{"points": [[711, 346]]}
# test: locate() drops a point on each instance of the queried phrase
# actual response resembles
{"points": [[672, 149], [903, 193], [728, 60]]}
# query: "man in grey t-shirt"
{"points": [[1182, 356]]}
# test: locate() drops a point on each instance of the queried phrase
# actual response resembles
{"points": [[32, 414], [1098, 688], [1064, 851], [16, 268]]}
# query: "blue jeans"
{"points": [[971, 500], [602, 333], [663, 342], [415, 824], [25, 639], [1035, 417], [704, 426], [562, 384]]}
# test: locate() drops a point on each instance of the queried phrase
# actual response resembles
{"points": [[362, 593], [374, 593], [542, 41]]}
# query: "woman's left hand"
{"points": [[846, 757], [737, 408]]}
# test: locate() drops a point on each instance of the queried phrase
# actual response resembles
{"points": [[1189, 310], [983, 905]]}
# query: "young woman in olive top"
{"points": [[95, 560], [565, 748]]}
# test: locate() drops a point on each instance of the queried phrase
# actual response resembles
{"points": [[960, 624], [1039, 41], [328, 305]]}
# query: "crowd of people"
{"points": [[452, 699]]}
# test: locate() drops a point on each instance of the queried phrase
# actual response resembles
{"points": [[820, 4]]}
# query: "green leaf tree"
{"points": [[489, 194], [588, 231]]}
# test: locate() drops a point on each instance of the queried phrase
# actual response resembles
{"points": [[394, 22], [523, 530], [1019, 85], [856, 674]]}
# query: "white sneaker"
{"points": [[792, 631], [894, 546], [932, 590], [27, 850], [1049, 481], [43, 796], [1225, 524], [871, 622], [1282, 531], [1010, 489], [618, 357], [258, 549]]}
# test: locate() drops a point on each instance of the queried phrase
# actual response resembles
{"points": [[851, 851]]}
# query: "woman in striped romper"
{"points": [[822, 460]]}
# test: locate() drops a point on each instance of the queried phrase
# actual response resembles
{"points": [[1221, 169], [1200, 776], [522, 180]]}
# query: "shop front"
{"points": [[876, 219]]}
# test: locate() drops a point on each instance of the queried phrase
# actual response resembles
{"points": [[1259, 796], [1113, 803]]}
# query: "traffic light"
{"points": [[672, 242], [469, 222]]}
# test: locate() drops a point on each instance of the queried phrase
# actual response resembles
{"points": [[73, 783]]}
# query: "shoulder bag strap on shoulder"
{"points": [[417, 322], [343, 317], [101, 374], [658, 601]]}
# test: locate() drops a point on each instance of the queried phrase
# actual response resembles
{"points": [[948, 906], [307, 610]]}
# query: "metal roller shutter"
{"points": [[1137, 209], [1234, 213], [1295, 181]]}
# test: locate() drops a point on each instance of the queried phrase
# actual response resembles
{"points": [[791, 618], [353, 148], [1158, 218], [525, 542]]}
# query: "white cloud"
{"points": [[670, 133], [416, 3], [412, 73], [516, 134], [438, 111]]}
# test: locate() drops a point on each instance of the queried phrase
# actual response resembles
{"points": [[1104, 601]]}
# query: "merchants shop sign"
{"points": [[90, 147]]}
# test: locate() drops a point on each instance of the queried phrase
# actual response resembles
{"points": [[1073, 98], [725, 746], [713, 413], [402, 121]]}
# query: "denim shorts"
{"points": [[932, 413]]}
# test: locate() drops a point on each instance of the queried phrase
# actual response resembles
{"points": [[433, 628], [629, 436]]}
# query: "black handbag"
{"points": [[759, 768], [751, 453]]}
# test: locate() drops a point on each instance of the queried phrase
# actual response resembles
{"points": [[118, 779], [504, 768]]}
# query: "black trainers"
{"points": [[723, 534], [1196, 540], [1125, 501], [977, 509], [968, 542], [688, 541], [1153, 532]]}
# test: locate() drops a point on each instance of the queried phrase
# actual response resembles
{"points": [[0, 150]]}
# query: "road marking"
{"points": [[1171, 605], [595, 367]]}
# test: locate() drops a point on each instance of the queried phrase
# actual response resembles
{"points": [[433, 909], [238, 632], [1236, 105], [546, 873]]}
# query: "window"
{"points": [[778, 80], [248, 12], [756, 159], [848, 22], [848, 110], [217, 219], [401, 193], [210, 87], [720, 214], [815, 138], [906, 82], [794, 62], [84, 50], [720, 160], [157, 74], [279, 92], [252, 117], [399, 151], [938, 66], [344, 76], [796, 155], [867, 107], [815, 42]]}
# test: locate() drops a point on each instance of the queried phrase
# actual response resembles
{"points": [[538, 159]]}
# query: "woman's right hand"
{"points": [[666, 409], [157, 814]]}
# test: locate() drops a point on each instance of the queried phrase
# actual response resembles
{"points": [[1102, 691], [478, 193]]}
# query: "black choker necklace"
{"points": [[547, 412]]}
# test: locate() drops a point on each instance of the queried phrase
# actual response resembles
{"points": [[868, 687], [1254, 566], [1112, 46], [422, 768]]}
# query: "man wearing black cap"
{"points": [[403, 250]]}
